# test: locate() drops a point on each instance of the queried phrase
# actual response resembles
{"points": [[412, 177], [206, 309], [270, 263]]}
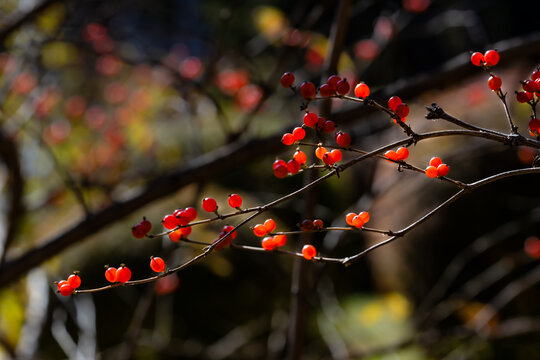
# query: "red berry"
{"points": [[280, 240], [145, 225], [349, 218], [268, 243], [60, 283], [185, 231], [227, 229], [259, 230], [402, 153], [320, 151], [300, 157], [358, 222], [74, 281], [307, 90], [335, 155], [477, 58], [318, 224], [320, 123], [393, 102], [65, 290], [529, 85], [157, 264], [310, 119], [110, 274], [524, 96], [169, 222], [287, 79], [435, 161], [326, 90], [306, 225], [535, 75], [176, 235], [191, 212], [364, 216], [391, 154], [343, 87], [343, 139], [137, 232], [332, 81], [281, 171], [361, 91], [182, 217], [431, 171], [442, 170], [278, 162], [269, 225], [329, 126], [402, 110], [123, 274], [491, 57], [494, 82], [287, 139], [532, 247], [223, 243], [309, 252], [235, 201], [534, 125], [293, 167], [209, 204], [298, 133]]}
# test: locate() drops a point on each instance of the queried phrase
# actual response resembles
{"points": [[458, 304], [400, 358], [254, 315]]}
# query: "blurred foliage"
{"points": [[103, 96]]}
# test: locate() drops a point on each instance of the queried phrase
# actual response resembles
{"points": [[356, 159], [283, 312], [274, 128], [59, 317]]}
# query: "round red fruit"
{"points": [[343, 139], [477, 58], [300, 157], [157, 264], [169, 222], [349, 218], [280, 240], [235, 200], [442, 170], [310, 119], [393, 102], [391, 154], [326, 90], [431, 171], [361, 91], [145, 226], [65, 290], [524, 96], [293, 167], [259, 230], [491, 57], [332, 81], [209, 204], [287, 139], [329, 126], [534, 125], [110, 274], [306, 225], [281, 171], [402, 110], [191, 212], [494, 82], [268, 243], [287, 79], [318, 224], [309, 252], [343, 87], [123, 274], [298, 133], [269, 225], [307, 90], [336, 155], [435, 161], [227, 229], [74, 281], [402, 153]]}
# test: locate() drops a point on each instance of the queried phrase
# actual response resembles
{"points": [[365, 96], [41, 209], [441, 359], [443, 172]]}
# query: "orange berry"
{"points": [[435, 161], [431, 171], [268, 243], [391, 154], [269, 225], [357, 222], [110, 274], [280, 240], [361, 91], [259, 230], [349, 218], [442, 170], [123, 274], [175, 235], [336, 155], [402, 153], [364, 216], [320, 151], [74, 281], [157, 264], [300, 157], [309, 252]]}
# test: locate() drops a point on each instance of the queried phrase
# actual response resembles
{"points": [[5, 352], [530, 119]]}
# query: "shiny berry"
{"points": [[442, 170], [300, 157], [268, 243], [269, 225], [343, 139], [529, 86], [110, 274], [358, 222], [318, 224], [191, 212], [491, 57], [74, 281], [310, 119], [320, 151], [361, 91], [332, 81], [309, 252], [287, 79], [535, 75], [391, 154], [157, 264], [281, 171], [227, 229], [534, 125], [65, 290], [402, 153], [364, 216], [259, 230], [235, 200], [494, 82], [293, 167], [123, 274], [343, 87], [287, 139], [169, 222], [402, 110], [209, 204], [145, 225], [393, 102], [435, 161], [335, 155], [477, 58], [298, 133], [349, 218], [176, 235], [60, 283], [326, 90], [431, 171], [307, 90], [280, 240], [524, 96]]}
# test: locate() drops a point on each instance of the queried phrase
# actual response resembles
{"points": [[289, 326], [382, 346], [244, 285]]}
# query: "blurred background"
{"points": [[114, 110]]}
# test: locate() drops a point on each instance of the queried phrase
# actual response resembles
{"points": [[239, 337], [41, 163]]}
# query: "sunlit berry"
{"points": [[358, 222], [391, 154], [306, 225], [157, 264], [269, 225], [343, 87], [280, 240], [309, 252], [491, 57], [123, 274], [191, 212], [268, 243], [227, 229], [524, 96], [293, 167], [532, 247], [402, 110], [281, 171], [402, 153], [65, 290], [287, 139], [494, 82], [259, 230], [349, 218], [393, 102], [431, 171], [175, 235], [435, 161], [320, 151], [326, 90], [235, 200], [307, 90], [287, 79], [61, 283], [318, 224], [74, 281], [364, 216], [361, 91], [310, 119], [298, 133], [343, 139], [335, 155], [442, 170], [300, 157], [477, 58], [110, 274], [169, 222], [209, 204], [529, 86]]}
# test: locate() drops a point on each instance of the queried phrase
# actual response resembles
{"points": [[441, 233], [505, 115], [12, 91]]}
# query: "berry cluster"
{"points": [[66, 287], [402, 153], [357, 220], [121, 274], [308, 225], [141, 229], [489, 58], [436, 168], [531, 95]]}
